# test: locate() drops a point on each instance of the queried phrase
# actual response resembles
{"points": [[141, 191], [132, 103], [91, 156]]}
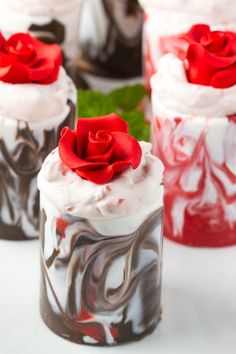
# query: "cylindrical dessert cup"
{"points": [[172, 17], [31, 118], [164, 18], [50, 21], [194, 134], [110, 42], [100, 276]]}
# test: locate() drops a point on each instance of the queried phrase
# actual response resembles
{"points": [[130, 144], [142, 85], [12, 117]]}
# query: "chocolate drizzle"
{"points": [[120, 56], [92, 301], [51, 32], [19, 198]]}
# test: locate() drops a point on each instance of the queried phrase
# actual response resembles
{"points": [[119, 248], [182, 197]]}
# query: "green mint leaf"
{"points": [[123, 101], [127, 98], [93, 103], [137, 125]]}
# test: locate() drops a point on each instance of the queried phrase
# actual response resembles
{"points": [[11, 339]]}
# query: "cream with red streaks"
{"points": [[194, 134], [132, 195], [163, 18]]}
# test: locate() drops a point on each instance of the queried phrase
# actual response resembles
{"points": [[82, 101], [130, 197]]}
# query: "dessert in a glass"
{"points": [[52, 21], [37, 99], [110, 40], [168, 17], [101, 234], [194, 134]]}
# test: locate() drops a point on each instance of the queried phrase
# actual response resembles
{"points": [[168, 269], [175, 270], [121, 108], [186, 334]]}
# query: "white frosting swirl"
{"points": [[174, 96], [40, 7], [34, 102], [131, 192], [214, 10]]}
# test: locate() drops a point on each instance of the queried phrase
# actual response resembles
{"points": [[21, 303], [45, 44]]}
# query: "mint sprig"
{"points": [[123, 101]]}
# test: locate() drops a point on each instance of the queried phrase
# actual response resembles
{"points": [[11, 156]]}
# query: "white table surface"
{"points": [[199, 305]]}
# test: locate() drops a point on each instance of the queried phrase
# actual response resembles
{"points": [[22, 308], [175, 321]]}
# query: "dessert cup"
{"points": [[101, 252], [50, 21], [194, 134], [110, 42], [171, 17], [164, 18], [31, 118]]}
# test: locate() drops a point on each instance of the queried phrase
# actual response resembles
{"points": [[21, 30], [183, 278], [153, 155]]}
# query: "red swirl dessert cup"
{"points": [[101, 235], [194, 134], [164, 18], [37, 99]]}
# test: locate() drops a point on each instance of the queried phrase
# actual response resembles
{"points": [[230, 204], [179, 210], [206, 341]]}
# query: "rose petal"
{"points": [[224, 78], [45, 73], [6, 60], [110, 122], [126, 149], [98, 176], [106, 157], [202, 65], [24, 59], [199, 33], [17, 71], [123, 150], [217, 45], [98, 145], [67, 147], [2, 41], [178, 44]]}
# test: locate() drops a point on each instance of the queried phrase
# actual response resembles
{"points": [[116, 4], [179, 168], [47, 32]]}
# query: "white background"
{"points": [[199, 305]]}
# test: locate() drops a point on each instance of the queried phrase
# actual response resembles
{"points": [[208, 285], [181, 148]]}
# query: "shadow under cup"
{"points": [[99, 288]]}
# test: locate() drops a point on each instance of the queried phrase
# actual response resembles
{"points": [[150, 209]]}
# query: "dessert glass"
{"points": [[23, 148], [110, 42], [49, 21], [100, 276], [194, 134], [163, 18]]}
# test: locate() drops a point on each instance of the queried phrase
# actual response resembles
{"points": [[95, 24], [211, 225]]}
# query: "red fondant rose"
{"points": [[99, 148], [210, 55], [24, 59]]}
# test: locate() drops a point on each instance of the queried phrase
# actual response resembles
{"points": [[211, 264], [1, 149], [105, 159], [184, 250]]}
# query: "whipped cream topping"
{"points": [[40, 8], [174, 96], [214, 10], [127, 194], [34, 102]]}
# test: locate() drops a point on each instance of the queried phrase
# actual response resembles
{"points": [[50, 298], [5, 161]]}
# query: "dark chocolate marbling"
{"points": [[19, 197], [86, 297], [120, 56]]}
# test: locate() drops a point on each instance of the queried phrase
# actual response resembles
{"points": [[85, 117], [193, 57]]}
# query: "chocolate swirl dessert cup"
{"points": [[110, 41], [194, 134], [31, 118], [101, 242], [52, 21]]}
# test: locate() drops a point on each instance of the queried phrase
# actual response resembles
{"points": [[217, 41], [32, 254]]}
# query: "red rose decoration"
{"points": [[99, 148], [24, 59], [210, 55], [178, 44]]}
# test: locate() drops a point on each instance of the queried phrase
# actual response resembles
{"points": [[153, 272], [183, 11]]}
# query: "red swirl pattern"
{"points": [[200, 179]]}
